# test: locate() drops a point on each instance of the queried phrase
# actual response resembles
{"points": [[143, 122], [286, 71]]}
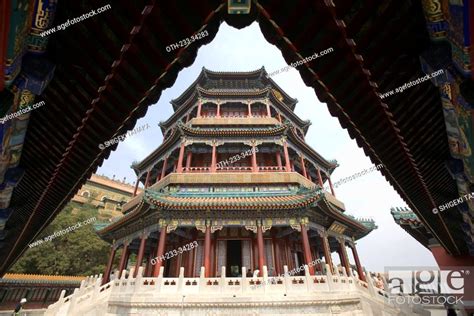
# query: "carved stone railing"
{"points": [[271, 168], [196, 169], [234, 120], [234, 169], [129, 291]]}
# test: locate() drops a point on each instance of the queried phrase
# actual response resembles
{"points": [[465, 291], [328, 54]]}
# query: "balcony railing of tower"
{"points": [[137, 289]]}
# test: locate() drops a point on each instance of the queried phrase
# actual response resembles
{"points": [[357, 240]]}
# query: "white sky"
{"points": [[369, 196]]}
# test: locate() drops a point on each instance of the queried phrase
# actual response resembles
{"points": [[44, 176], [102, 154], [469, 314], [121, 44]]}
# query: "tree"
{"points": [[78, 252]]}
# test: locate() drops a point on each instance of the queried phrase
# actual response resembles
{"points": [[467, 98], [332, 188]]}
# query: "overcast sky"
{"points": [[369, 196]]}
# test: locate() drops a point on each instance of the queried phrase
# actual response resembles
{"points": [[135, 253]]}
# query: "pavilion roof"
{"points": [[410, 222], [180, 201], [259, 75], [181, 129], [241, 201], [40, 278]]}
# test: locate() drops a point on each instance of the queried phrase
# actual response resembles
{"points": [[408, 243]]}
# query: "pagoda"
{"points": [[235, 174], [233, 207]]}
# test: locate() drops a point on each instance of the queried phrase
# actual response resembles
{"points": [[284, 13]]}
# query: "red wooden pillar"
{"points": [[136, 187], [147, 179], [330, 185], [106, 277], [279, 117], [249, 109], [163, 170], [287, 157], [306, 248], [213, 158], [218, 112], [261, 252], [141, 251], [303, 167], [345, 258], [276, 251], [160, 251], [327, 252], [278, 159], [179, 167], [254, 253], [254, 160], [199, 109], [123, 259], [189, 263], [320, 179], [269, 113], [207, 251], [360, 271], [188, 160]]}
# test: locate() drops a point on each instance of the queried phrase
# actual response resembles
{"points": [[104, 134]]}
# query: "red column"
{"points": [[160, 251], [269, 113], [276, 251], [136, 187], [343, 254], [213, 255], [218, 113], [261, 253], [279, 117], [320, 179], [254, 160], [207, 251], [106, 277], [147, 179], [254, 253], [188, 159], [189, 264], [141, 250], [179, 168], [306, 249], [287, 157], [303, 167], [163, 170], [327, 252], [330, 185], [199, 109], [360, 272], [278, 159], [123, 259], [250, 109], [213, 158]]}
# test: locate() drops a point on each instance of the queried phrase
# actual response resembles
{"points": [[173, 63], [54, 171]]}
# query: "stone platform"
{"points": [[289, 295]]}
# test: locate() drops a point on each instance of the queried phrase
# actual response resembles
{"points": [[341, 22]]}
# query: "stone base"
{"points": [[303, 295]]}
